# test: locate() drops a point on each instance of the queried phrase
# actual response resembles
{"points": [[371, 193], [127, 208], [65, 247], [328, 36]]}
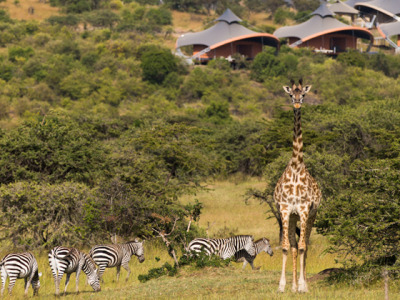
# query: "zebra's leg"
{"points": [[68, 275], [126, 267], [118, 271], [11, 282], [3, 280], [78, 272], [244, 264], [101, 270], [58, 281], [28, 281]]}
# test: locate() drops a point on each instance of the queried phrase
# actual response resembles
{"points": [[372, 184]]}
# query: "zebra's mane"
{"points": [[133, 242], [241, 236], [259, 240]]}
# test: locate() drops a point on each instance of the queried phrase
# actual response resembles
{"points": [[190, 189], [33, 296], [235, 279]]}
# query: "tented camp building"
{"points": [[382, 11], [390, 30], [224, 39], [342, 9], [324, 33]]}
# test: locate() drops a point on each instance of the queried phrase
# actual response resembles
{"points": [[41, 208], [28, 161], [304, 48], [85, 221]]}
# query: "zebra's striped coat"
{"points": [[260, 245], [20, 265], [69, 260], [225, 248], [116, 255]]}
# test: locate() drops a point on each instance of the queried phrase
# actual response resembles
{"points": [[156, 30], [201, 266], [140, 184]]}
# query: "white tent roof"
{"points": [[353, 2], [226, 30], [342, 8], [390, 29], [387, 7], [321, 23]]}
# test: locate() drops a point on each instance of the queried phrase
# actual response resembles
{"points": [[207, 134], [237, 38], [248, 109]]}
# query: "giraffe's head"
{"points": [[297, 93]]}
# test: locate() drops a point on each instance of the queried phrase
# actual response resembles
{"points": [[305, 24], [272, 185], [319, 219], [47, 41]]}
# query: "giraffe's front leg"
{"points": [[302, 249], [293, 247], [285, 249]]}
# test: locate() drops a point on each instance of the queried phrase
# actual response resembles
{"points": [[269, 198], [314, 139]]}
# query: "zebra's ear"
{"points": [[136, 240]]}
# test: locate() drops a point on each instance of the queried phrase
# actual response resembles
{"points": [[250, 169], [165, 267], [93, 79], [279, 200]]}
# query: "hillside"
{"points": [[22, 10], [105, 133]]}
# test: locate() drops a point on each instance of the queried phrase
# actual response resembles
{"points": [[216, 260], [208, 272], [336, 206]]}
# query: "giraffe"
{"points": [[297, 198]]}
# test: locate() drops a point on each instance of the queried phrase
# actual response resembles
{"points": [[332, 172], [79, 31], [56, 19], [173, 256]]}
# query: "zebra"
{"points": [[20, 265], [116, 255], [69, 260], [260, 245], [225, 248]]}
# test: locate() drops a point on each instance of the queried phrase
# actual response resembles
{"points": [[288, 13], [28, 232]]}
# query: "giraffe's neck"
{"points": [[297, 156]]}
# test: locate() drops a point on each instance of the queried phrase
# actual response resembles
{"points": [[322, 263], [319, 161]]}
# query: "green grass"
{"points": [[224, 210]]}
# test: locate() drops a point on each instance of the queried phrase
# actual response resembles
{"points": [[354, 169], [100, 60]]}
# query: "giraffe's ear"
{"points": [[307, 88], [287, 89]]}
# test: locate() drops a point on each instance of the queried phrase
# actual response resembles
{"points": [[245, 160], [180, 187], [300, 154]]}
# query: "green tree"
{"points": [[157, 64], [42, 215], [53, 149]]}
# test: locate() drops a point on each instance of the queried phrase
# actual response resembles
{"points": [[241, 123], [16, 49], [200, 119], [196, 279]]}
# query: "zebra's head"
{"points": [[137, 249], [91, 272], [267, 247], [94, 281], [36, 283]]}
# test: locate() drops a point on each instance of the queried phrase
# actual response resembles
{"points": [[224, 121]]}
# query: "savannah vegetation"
{"points": [[104, 132]]}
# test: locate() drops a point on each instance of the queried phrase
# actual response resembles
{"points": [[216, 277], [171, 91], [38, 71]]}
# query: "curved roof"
{"points": [[342, 8], [229, 17], [323, 11], [387, 7], [320, 24], [389, 29], [353, 2], [225, 31]]}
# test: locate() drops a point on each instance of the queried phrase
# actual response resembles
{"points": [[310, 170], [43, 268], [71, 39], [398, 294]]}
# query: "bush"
{"points": [[40, 215], [18, 53], [157, 64], [51, 149]]}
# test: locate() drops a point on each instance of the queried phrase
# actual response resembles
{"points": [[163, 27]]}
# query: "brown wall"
{"points": [[329, 41], [247, 48]]}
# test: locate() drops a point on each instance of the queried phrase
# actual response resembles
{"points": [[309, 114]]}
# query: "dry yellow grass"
{"points": [[224, 206], [19, 9]]}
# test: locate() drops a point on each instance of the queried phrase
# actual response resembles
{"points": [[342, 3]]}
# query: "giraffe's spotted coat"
{"points": [[297, 197]]}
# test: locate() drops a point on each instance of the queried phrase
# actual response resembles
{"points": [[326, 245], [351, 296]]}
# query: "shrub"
{"points": [[157, 64], [17, 53], [44, 215]]}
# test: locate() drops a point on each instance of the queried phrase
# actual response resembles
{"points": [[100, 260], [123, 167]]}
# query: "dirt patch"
{"points": [[325, 274]]}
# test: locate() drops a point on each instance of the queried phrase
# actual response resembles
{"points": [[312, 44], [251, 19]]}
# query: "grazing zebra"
{"points": [[225, 248], [69, 260], [20, 265], [116, 255], [260, 245]]}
